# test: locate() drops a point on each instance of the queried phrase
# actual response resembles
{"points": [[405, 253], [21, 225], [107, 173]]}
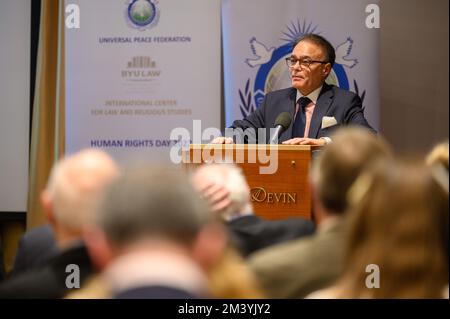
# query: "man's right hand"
{"points": [[216, 195], [222, 140]]}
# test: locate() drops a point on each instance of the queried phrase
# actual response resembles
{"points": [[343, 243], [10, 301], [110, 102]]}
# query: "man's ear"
{"points": [[209, 245], [98, 246], [326, 70], [47, 205]]}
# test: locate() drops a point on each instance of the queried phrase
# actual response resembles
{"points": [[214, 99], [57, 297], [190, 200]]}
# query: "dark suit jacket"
{"points": [[48, 281], [251, 233], [36, 247], [344, 106]]}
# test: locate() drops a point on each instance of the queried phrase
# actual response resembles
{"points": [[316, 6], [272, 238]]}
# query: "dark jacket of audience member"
{"points": [[52, 280], [251, 233], [36, 247]]}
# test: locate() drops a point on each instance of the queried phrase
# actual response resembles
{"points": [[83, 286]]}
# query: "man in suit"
{"points": [[36, 247], [300, 267], [316, 108], [69, 201], [229, 194], [154, 237]]}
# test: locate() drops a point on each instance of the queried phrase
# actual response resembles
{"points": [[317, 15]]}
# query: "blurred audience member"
{"points": [[231, 278], [36, 247], [248, 232], [399, 229], [155, 237], [299, 267], [439, 155], [69, 201], [438, 160]]}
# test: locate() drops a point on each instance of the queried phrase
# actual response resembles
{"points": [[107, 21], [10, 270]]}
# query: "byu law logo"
{"points": [[272, 73], [141, 69], [142, 14]]}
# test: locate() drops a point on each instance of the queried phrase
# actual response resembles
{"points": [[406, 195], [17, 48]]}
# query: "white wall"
{"points": [[14, 103], [414, 74]]}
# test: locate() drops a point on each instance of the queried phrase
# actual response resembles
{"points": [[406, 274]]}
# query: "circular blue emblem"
{"points": [[142, 13]]}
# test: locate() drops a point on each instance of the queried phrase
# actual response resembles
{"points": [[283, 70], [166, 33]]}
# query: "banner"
{"points": [[137, 69], [258, 36]]}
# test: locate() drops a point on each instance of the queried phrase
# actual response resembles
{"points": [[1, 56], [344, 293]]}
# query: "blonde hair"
{"points": [[438, 155], [399, 222], [231, 278]]}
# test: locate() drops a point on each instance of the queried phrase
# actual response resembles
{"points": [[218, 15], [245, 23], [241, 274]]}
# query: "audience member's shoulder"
{"points": [[281, 253], [35, 248], [41, 232], [36, 283], [281, 93], [300, 223], [342, 92]]}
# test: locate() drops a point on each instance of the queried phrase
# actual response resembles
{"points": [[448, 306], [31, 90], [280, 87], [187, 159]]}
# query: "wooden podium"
{"points": [[277, 174]]}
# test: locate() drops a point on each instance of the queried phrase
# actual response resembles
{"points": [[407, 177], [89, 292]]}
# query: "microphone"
{"points": [[281, 124]]}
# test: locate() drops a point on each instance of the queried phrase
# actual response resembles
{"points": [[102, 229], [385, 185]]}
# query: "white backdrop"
{"points": [[127, 88], [15, 17]]}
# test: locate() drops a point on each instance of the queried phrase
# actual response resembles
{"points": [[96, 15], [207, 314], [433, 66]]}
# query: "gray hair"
{"points": [[75, 186], [152, 202], [320, 41]]}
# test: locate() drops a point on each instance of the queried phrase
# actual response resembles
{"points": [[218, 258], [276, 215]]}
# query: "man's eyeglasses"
{"points": [[304, 63]]}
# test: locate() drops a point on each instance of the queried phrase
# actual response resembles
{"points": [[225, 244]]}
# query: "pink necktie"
{"points": [[309, 109]]}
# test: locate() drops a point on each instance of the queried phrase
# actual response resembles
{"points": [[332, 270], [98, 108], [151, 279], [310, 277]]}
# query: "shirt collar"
{"points": [[313, 96]]}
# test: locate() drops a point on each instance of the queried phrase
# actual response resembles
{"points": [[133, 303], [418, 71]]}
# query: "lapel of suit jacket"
{"points": [[322, 105], [289, 106]]}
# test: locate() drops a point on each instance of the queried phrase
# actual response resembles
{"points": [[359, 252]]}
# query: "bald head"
{"points": [[74, 186]]}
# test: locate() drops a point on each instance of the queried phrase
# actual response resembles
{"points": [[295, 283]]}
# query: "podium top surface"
{"points": [[279, 147]]}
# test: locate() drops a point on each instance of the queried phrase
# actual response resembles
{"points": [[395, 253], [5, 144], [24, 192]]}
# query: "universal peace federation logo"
{"points": [[142, 14]]}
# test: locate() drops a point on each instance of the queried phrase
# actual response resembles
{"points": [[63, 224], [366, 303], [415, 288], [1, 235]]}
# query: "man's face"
{"points": [[307, 79]]}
